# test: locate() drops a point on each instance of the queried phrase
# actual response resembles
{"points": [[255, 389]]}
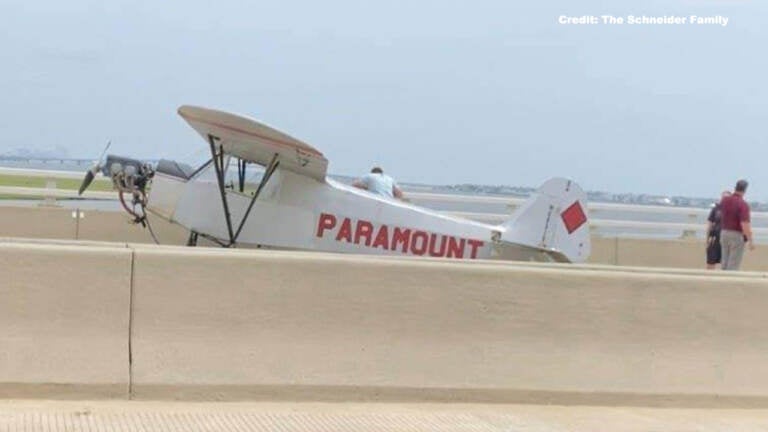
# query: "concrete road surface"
{"points": [[285, 417]]}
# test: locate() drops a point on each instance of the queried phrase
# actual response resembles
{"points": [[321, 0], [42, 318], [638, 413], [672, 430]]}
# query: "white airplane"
{"points": [[296, 206]]}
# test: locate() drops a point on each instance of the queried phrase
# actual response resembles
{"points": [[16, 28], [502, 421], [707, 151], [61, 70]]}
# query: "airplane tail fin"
{"points": [[554, 220]]}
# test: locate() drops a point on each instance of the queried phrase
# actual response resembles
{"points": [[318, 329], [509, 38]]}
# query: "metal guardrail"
{"points": [[51, 191], [592, 206], [56, 193], [24, 172], [598, 224], [692, 228]]}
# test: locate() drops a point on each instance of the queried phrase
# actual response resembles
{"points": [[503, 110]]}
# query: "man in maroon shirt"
{"points": [[736, 228]]}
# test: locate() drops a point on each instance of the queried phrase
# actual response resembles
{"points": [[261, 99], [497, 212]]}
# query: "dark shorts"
{"points": [[714, 252]]}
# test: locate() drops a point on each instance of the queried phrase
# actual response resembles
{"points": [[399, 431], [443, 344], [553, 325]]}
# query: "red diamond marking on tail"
{"points": [[573, 217]]}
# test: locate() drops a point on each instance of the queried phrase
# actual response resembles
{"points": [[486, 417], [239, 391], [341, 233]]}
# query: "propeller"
{"points": [[91, 173]]}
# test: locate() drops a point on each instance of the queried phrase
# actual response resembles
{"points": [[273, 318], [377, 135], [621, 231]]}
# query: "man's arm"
{"points": [[360, 184], [746, 228], [397, 192], [746, 225]]}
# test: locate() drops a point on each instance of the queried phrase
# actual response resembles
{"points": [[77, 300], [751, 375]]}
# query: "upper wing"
{"points": [[255, 142]]}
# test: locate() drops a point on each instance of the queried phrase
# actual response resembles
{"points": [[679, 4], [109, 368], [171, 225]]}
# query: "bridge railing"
{"points": [[594, 207], [680, 221]]}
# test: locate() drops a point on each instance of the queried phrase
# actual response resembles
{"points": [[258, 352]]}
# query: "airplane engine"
{"points": [[129, 176]]}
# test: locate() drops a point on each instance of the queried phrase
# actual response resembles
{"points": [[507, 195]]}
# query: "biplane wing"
{"points": [[255, 142]]}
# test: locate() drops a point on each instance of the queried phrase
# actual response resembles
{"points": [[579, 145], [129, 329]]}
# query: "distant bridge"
{"points": [[46, 160], [4, 159]]}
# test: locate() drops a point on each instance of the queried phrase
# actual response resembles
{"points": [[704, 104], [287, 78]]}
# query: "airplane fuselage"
{"points": [[298, 212]]}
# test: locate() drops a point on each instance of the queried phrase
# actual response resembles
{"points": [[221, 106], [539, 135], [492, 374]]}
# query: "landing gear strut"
{"points": [[192, 241]]}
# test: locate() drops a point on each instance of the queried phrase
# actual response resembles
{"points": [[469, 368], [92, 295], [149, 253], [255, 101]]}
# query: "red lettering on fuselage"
{"points": [[474, 244], [403, 240], [345, 232], [456, 247], [326, 222], [363, 229], [382, 238], [402, 236], [433, 251], [422, 245]]}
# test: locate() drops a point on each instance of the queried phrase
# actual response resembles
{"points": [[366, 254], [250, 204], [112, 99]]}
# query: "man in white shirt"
{"points": [[379, 183]]}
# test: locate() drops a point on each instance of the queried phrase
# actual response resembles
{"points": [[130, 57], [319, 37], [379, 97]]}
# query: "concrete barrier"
{"points": [[162, 322], [64, 315], [36, 222], [118, 227], [60, 223], [688, 253], [267, 325]]}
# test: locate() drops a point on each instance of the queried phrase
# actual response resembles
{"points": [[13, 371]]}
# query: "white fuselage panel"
{"points": [[298, 212]]}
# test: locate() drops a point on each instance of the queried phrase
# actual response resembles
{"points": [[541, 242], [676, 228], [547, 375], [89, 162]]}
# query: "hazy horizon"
{"points": [[436, 92]]}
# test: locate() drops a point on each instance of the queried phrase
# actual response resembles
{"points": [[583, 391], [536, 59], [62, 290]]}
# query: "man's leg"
{"points": [[737, 253], [714, 252], [725, 248], [718, 251]]}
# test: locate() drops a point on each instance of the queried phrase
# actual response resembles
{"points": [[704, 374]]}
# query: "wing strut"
{"points": [[241, 163], [218, 163], [273, 164]]}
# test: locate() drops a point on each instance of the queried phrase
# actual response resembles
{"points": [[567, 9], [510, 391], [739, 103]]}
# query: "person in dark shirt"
{"points": [[714, 252], [736, 229]]}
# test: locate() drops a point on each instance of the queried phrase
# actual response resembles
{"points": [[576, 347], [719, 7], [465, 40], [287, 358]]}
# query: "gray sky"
{"points": [[442, 92]]}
